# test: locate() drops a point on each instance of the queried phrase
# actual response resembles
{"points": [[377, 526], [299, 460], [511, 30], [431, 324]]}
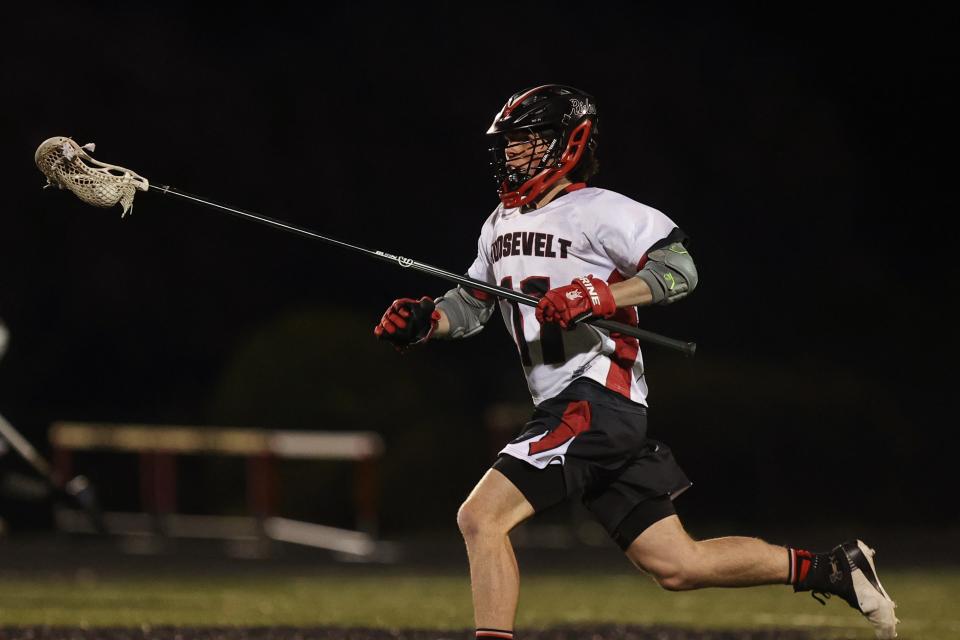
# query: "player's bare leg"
{"points": [[678, 562], [493, 508]]}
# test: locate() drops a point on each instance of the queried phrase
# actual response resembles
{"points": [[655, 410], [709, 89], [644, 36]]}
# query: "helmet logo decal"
{"points": [[581, 108]]}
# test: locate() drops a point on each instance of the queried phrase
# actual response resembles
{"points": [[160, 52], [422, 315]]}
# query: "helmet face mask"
{"points": [[520, 155], [539, 137]]}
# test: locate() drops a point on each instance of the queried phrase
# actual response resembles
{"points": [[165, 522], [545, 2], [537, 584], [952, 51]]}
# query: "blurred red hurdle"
{"points": [[158, 446]]}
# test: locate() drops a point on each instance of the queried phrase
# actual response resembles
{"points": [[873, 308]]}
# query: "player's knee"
{"points": [[475, 523], [678, 578], [671, 557], [466, 520], [676, 573]]}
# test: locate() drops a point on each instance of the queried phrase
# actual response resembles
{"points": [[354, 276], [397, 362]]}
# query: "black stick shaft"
{"points": [[687, 348]]}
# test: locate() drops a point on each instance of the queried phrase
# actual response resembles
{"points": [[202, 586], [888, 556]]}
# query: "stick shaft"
{"points": [[78, 490], [24, 448], [687, 348]]}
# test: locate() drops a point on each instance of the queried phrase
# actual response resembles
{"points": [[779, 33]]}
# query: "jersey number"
{"points": [[551, 336]]}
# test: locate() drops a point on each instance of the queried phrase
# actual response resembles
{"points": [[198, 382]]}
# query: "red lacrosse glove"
{"points": [[586, 296], [408, 322]]}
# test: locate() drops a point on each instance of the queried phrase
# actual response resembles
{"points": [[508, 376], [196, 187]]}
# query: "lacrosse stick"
{"points": [[67, 165]]}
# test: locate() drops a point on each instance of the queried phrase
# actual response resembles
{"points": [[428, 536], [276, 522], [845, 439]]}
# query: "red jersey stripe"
{"points": [[576, 419], [626, 350]]}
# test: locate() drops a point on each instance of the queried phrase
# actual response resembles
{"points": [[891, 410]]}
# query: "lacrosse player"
{"points": [[588, 252]]}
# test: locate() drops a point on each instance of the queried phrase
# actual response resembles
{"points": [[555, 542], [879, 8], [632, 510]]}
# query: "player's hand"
{"points": [[408, 322], [585, 297]]}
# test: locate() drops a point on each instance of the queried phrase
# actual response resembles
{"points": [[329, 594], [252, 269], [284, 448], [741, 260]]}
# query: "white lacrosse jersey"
{"points": [[584, 232]]}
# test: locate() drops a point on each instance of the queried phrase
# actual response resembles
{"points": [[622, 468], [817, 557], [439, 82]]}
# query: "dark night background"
{"points": [[802, 148]]}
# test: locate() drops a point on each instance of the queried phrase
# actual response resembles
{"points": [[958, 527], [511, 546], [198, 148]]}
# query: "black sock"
{"points": [[815, 571]]}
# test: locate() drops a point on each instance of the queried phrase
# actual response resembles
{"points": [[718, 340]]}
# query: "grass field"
{"points": [[396, 599]]}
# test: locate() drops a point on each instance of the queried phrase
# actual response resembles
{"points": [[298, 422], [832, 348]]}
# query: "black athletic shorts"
{"points": [[591, 441]]}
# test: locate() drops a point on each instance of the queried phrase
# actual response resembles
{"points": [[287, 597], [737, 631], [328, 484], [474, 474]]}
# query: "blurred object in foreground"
{"points": [[77, 491], [4, 338]]}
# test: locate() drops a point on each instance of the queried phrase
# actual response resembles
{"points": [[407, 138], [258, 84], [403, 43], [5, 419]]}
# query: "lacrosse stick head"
{"points": [[67, 165]]}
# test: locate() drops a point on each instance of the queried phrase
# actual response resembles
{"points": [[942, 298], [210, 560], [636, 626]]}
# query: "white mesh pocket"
{"points": [[67, 165]]}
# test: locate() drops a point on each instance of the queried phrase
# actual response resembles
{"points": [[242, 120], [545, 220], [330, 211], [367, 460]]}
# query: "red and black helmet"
{"points": [[562, 117]]}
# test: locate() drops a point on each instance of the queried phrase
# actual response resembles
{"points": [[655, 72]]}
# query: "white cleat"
{"points": [[863, 589]]}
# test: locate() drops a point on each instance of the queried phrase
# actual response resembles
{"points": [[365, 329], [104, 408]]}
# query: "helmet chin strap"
{"points": [[550, 195]]}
